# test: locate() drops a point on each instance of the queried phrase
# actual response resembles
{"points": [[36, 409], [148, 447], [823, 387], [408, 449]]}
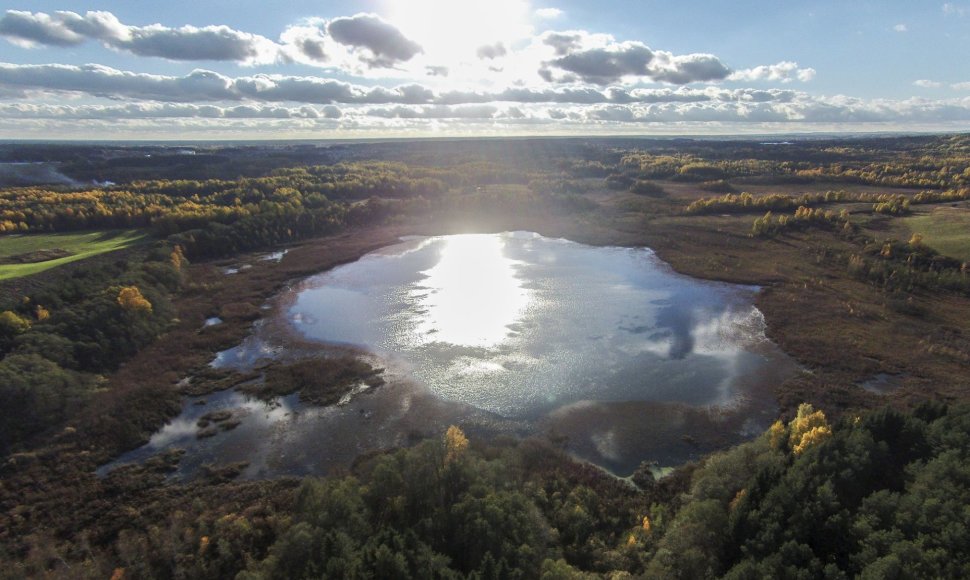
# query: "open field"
{"points": [[78, 245], [945, 229]]}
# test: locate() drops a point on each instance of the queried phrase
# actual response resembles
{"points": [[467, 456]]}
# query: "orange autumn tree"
{"points": [[131, 300]]}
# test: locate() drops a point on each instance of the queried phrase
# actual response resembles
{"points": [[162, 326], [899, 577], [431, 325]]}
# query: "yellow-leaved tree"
{"points": [[131, 300], [455, 444], [808, 428], [177, 258]]}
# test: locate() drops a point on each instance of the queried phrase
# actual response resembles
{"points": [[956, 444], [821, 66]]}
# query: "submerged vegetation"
{"points": [[319, 381], [847, 483]]}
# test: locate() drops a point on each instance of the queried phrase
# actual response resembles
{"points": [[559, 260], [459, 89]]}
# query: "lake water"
{"points": [[605, 348]]}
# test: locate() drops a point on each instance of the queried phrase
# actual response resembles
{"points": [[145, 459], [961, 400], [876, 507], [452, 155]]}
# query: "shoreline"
{"points": [[274, 330]]}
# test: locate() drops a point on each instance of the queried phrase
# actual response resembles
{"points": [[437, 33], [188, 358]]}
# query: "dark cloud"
{"points": [[436, 71], [313, 49], [597, 59], [690, 68], [491, 51], [563, 42], [386, 44], [332, 112], [602, 66], [191, 43]]}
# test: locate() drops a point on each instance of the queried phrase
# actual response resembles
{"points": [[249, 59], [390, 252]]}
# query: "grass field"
{"points": [[945, 229], [80, 245]]}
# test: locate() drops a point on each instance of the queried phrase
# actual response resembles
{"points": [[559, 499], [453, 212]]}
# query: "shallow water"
{"points": [[606, 348], [520, 325]]}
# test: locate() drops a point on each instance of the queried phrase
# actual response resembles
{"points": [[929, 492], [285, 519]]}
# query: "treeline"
{"points": [[898, 266], [770, 225], [935, 164], [177, 205], [887, 203], [877, 495], [56, 343], [745, 202], [219, 217]]}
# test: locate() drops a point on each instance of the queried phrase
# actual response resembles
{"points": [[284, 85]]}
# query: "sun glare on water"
{"points": [[472, 295]]}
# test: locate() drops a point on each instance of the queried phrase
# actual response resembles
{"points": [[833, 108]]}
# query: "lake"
{"points": [[605, 349]]}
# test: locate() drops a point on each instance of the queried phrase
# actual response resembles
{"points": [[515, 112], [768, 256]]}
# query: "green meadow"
{"points": [[945, 229], [80, 245]]}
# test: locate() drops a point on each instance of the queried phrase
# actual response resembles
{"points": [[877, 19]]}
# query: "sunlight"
{"points": [[455, 29], [472, 294]]}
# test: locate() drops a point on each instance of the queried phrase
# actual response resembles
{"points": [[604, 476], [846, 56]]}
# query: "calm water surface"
{"points": [[605, 347]]}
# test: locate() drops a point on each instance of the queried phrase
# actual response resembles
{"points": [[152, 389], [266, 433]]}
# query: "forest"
{"points": [[850, 481]]}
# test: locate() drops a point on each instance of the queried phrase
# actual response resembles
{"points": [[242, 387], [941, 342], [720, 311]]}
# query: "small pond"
{"points": [[605, 348]]}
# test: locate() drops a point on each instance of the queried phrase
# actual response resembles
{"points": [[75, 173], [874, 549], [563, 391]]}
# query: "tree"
{"points": [[455, 444], [11, 325], [131, 300], [808, 428]]}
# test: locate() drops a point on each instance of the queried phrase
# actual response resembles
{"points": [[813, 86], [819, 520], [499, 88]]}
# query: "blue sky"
{"points": [[397, 68]]}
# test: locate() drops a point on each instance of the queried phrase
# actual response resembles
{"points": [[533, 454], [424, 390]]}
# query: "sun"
{"points": [[451, 30]]}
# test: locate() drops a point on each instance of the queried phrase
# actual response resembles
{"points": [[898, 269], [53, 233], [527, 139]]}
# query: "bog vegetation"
{"points": [[857, 490]]}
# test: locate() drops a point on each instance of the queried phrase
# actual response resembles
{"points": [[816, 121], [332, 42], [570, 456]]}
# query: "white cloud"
{"points": [[102, 81], [164, 111], [952, 9], [785, 72], [29, 29], [965, 86], [548, 13], [901, 28], [207, 99], [927, 84], [208, 86], [186, 43], [345, 43], [367, 46], [801, 112], [307, 44]]}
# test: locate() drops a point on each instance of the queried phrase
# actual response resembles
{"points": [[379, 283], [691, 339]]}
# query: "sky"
{"points": [[243, 69]]}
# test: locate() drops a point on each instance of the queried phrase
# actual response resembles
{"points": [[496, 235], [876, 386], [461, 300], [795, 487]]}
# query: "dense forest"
{"points": [[847, 483]]}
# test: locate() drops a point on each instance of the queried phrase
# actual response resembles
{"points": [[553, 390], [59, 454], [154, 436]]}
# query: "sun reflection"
{"points": [[472, 294]]}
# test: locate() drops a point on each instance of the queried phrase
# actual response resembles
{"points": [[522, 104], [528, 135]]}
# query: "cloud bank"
{"points": [[185, 43], [375, 77]]}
